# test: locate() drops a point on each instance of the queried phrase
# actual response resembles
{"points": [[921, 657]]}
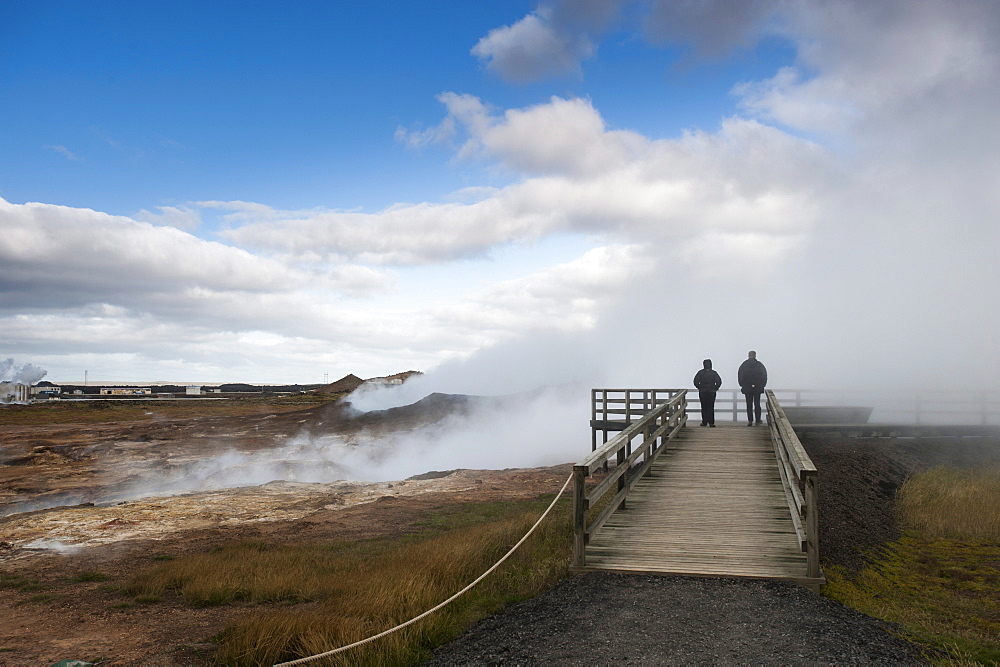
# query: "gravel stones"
{"points": [[605, 618]]}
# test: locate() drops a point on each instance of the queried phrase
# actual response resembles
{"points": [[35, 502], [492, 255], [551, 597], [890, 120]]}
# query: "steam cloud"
{"points": [[12, 373], [543, 428]]}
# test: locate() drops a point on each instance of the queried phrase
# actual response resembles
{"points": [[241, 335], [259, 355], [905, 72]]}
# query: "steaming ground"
{"points": [[58, 466]]}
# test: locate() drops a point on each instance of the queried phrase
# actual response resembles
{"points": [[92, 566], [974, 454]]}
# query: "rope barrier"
{"points": [[454, 597]]}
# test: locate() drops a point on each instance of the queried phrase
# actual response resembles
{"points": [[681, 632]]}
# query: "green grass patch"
{"points": [[44, 597], [20, 583], [358, 589], [941, 581], [444, 518], [147, 599], [86, 577], [14, 581]]}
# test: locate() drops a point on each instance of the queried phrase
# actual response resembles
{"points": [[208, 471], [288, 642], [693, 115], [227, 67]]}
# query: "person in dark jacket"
{"points": [[707, 382], [752, 377]]}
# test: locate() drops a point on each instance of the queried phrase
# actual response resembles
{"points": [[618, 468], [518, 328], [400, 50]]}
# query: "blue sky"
{"points": [[516, 192], [126, 106]]}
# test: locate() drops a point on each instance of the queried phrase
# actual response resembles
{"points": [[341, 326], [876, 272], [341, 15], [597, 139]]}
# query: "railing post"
{"points": [[620, 459], [812, 528], [593, 418], [579, 516]]}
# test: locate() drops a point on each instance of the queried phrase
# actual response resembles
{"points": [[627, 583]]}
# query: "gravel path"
{"points": [[602, 619]]}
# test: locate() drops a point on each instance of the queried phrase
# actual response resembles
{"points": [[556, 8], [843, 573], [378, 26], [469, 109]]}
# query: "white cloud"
{"points": [[578, 176], [556, 38], [567, 297], [872, 63], [81, 254], [561, 136], [65, 152], [533, 48], [181, 217]]}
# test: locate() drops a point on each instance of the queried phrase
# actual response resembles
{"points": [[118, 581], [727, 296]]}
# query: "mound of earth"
{"points": [[350, 382], [346, 384]]}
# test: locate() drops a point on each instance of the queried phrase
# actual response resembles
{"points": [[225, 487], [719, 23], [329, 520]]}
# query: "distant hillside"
{"points": [[350, 382], [347, 383]]}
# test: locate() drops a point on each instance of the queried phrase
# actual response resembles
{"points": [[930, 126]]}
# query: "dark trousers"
{"points": [[707, 399], [753, 406]]}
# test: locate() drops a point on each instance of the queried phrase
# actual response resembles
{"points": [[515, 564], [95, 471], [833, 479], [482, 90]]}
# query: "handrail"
{"points": [[799, 478], [614, 409], [934, 407], [660, 422]]}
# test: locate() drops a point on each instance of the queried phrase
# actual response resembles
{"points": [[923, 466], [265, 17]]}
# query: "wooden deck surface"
{"points": [[712, 504]]}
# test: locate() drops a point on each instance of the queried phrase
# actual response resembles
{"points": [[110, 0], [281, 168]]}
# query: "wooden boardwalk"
{"points": [[712, 504]]}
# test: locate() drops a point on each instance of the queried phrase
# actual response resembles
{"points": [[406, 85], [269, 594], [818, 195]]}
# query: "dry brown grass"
{"points": [[342, 593], [953, 503]]}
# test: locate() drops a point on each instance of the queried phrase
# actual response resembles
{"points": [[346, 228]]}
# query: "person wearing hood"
{"points": [[752, 377], [707, 382]]}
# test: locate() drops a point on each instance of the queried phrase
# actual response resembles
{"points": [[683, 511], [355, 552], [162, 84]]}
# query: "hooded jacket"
{"points": [[706, 379]]}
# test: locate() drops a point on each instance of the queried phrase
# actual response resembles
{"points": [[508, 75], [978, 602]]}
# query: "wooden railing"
{"points": [[732, 401], [614, 409], [973, 407], [655, 417], [798, 476]]}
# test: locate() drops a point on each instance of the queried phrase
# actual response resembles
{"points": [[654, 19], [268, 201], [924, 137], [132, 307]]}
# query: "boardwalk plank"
{"points": [[712, 504]]}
